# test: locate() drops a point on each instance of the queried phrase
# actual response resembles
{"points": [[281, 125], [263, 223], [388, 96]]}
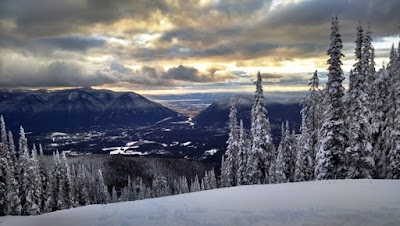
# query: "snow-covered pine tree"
{"points": [[280, 176], [35, 188], [243, 155], [66, 183], [43, 173], [10, 200], [205, 181], [25, 172], [13, 199], [103, 196], [223, 179], [124, 195], [48, 202], [330, 159], [195, 185], [310, 126], [142, 190], [262, 152], [57, 201], [304, 157], [184, 186], [114, 196], [380, 110], [3, 133], [368, 64], [213, 179], [232, 149], [3, 182], [359, 158], [393, 119], [286, 157]]}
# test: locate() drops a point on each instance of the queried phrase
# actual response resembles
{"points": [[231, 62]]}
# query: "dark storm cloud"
{"points": [[190, 74], [76, 43], [49, 17], [383, 15], [157, 76], [56, 74]]}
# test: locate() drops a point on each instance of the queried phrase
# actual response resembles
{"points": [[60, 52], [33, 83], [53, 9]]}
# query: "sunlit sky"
{"points": [[185, 46]]}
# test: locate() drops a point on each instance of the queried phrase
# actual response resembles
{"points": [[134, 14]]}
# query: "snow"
{"points": [[344, 202], [163, 120], [211, 151], [186, 143], [55, 134]]}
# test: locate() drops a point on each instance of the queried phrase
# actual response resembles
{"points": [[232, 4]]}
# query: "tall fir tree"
{"points": [[360, 162], [232, 149], [262, 154], [311, 124], [286, 157], [330, 159], [379, 124], [66, 181], [242, 157], [393, 119], [103, 196]]}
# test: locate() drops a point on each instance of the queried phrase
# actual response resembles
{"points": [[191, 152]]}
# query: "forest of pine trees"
{"points": [[343, 135], [31, 183]]}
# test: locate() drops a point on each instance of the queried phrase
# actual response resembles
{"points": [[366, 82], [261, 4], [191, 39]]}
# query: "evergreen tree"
{"points": [[359, 49], [66, 183], [331, 154], [304, 158], [311, 124], [232, 149], [379, 124], [223, 176], [114, 196], [103, 197], [3, 184], [359, 158], [242, 159], [184, 187], [286, 158], [393, 119], [262, 152], [195, 185], [213, 179]]}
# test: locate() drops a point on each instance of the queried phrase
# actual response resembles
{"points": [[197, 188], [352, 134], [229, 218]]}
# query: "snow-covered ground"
{"points": [[345, 202]]}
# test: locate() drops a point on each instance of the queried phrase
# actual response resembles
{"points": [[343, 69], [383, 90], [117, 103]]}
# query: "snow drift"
{"points": [[341, 202]]}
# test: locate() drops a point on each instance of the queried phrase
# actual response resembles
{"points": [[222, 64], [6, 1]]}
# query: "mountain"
{"points": [[217, 114], [80, 108], [339, 202]]}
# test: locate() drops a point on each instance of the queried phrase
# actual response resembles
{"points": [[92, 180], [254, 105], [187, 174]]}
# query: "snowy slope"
{"points": [[348, 202]]}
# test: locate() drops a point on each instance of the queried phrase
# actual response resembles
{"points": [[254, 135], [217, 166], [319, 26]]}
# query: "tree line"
{"points": [[32, 183], [349, 135]]}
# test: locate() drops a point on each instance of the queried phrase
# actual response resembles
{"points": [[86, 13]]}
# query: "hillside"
{"points": [[80, 108], [341, 202], [216, 114]]}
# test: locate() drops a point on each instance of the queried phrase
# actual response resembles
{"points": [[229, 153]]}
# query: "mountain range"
{"points": [[80, 108]]}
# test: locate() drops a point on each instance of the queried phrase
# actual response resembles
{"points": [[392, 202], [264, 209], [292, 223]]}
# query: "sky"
{"points": [[182, 46]]}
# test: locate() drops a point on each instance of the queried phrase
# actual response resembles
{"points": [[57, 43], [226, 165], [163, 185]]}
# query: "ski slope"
{"points": [[341, 202]]}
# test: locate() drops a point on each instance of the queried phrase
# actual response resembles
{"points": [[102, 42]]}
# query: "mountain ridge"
{"points": [[79, 108]]}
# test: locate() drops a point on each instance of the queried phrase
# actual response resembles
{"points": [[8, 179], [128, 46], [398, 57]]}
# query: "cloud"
{"points": [[96, 40], [54, 74], [75, 43]]}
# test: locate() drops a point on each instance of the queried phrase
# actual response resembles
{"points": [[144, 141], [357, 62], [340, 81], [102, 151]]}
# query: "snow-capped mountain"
{"points": [[80, 108]]}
